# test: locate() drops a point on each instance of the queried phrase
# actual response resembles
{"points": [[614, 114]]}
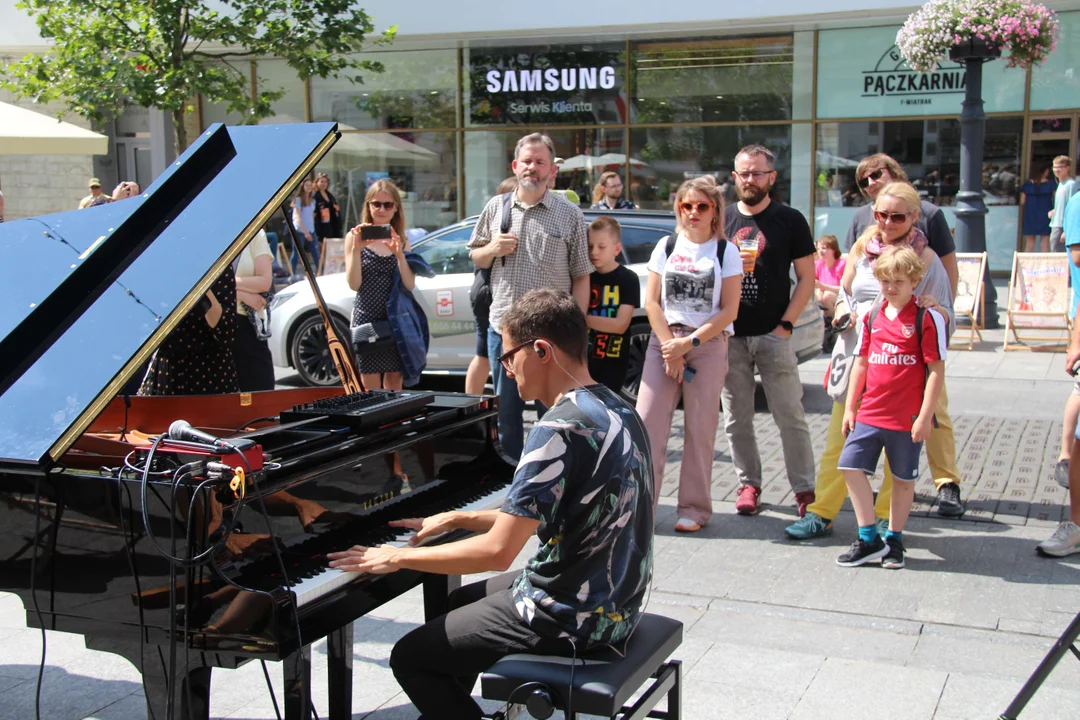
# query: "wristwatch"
{"points": [[787, 325], [695, 341]]}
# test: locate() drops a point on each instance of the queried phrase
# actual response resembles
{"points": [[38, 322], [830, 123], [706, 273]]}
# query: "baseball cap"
{"points": [[94, 182]]}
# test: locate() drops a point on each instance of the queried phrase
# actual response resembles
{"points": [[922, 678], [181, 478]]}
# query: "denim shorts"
{"points": [[482, 326], [862, 450]]}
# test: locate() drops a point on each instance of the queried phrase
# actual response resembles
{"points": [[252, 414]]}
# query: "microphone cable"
{"points": [[33, 595]]}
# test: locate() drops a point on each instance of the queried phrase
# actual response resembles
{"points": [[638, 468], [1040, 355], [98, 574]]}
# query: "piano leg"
{"points": [[437, 589], [297, 671], [193, 701], [340, 665]]}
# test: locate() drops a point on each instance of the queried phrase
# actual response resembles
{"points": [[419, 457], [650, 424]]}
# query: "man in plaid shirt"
{"points": [[547, 247]]}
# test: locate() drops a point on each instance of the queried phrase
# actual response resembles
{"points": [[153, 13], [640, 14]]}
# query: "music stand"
{"points": [[1066, 642]]}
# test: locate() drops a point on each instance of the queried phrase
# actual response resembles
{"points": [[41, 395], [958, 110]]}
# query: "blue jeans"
{"points": [[511, 406], [312, 248], [272, 239]]}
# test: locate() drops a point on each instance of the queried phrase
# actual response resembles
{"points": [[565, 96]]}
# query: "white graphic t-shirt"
{"points": [[689, 289]]}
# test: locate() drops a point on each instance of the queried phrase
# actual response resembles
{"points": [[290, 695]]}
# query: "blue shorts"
{"points": [[862, 450]]}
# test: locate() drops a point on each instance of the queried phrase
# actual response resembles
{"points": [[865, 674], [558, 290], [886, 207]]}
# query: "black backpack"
{"points": [[480, 292]]}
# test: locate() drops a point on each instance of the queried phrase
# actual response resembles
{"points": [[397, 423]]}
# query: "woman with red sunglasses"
{"points": [[692, 298]]}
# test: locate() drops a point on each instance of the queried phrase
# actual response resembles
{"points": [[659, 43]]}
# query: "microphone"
{"points": [[182, 430]]}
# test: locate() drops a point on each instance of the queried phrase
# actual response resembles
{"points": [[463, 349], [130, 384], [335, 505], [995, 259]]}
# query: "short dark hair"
{"points": [[508, 185], [607, 224], [551, 315], [752, 150]]}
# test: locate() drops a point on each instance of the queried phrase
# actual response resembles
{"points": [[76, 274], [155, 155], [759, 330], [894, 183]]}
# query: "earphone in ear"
{"points": [[541, 351]]}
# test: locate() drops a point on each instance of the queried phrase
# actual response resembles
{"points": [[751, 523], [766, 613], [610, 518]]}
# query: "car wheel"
{"points": [[310, 352], [638, 338]]}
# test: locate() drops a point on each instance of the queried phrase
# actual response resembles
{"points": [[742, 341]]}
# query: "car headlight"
{"points": [[280, 299]]}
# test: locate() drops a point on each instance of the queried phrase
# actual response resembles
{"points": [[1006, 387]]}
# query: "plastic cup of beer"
{"points": [[748, 250]]}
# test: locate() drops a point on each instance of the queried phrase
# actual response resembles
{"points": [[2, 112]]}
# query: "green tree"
{"points": [[109, 54]]}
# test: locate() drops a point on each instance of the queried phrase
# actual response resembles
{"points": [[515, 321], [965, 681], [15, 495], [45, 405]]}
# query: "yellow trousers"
{"points": [[831, 489]]}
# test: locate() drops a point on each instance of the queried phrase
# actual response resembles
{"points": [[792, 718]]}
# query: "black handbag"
{"points": [[372, 337], [480, 292]]}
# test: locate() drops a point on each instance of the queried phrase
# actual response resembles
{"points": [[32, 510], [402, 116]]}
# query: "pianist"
{"points": [[582, 485]]}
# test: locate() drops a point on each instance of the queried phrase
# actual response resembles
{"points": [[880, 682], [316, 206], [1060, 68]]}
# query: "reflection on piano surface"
{"points": [[76, 463]]}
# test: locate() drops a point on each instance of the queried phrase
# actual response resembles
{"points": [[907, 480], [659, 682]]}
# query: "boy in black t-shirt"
{"points": [[614, 292]]}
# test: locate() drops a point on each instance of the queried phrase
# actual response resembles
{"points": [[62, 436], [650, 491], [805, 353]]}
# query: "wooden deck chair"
{"points": [[283, 258], [970, 300], [332, 257], [1038, 301]]}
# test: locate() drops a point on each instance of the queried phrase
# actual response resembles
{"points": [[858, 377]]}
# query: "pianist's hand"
{"points": [[375, 560], [429, 527]]}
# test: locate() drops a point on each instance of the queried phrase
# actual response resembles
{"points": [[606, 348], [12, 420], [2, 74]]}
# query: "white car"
{"points": [[298, 340]]}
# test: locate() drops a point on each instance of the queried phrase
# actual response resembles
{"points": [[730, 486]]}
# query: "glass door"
{"points": [[1049, 138]]}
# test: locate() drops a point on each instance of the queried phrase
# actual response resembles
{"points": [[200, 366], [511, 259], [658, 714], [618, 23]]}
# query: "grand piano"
{"points": [[180, 556]]}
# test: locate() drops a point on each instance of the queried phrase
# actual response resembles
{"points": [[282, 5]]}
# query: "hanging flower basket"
{"points": [[963, 29]]}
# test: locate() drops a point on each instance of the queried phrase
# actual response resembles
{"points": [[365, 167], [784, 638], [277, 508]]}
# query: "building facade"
{"points": [[672, 93]]}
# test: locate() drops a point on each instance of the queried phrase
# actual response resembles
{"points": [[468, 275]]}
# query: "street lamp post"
{"points": [[970, 208]]}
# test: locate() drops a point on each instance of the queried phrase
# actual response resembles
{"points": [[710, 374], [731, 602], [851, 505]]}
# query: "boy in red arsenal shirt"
{"points": [[898, 379]]}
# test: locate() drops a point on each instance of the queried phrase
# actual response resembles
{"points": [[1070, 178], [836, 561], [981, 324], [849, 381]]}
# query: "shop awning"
{"points": [[589, 162], [25, 132]]}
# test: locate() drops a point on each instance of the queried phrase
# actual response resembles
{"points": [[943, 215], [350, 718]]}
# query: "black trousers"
{"points": [[251, 356], [437, 664]]}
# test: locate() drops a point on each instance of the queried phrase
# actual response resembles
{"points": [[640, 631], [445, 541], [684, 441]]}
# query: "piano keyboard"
{"points": [[305, 555]]}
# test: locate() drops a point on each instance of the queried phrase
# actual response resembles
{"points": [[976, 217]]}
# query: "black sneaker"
{"points": [[948, 501], [1061, 473], [862, 552], [894, 558]]}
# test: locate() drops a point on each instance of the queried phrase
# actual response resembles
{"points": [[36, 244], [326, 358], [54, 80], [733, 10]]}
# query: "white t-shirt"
{"points": [[689, 291]]}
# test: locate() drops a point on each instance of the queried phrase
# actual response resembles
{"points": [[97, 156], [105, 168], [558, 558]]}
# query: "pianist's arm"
{"points": [[495, 550]]}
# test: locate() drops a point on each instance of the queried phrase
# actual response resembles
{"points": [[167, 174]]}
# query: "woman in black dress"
{"points": [[371, 266], [196, 358], [327, 211]]}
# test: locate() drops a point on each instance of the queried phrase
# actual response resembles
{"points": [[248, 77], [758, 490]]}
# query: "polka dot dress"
{"points": [[377, 274], [196, 359]]}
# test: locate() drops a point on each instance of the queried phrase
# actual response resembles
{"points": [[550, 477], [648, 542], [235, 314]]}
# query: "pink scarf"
{"points": [[875, 245]]}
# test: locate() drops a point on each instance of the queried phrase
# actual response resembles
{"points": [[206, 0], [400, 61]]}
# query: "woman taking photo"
{"points": [[303, 206], [692, 298], [896, 209], [327, 211]]}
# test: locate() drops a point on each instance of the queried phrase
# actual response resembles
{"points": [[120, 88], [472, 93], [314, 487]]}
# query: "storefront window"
{"points": [[669, 156], [1055, 85], [929, 152], [422, 165], [586, 154], [861, 74], [731, 79], [545, 84], [277, 75], [417, 89]]}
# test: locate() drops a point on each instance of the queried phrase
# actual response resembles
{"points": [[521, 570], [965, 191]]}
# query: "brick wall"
{"points": [[43, 184]]}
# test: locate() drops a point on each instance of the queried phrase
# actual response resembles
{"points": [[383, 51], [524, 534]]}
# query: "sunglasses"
{"points": [[865, 182], [376, 205], [897, 218], [701, 207], [508, 357]]}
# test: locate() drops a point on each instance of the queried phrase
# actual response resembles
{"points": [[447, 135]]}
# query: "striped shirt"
{"points": [[553, 248]]}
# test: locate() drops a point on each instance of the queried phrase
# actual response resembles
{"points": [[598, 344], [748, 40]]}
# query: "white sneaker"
{"points": [[1064, 541], [686, 525]]}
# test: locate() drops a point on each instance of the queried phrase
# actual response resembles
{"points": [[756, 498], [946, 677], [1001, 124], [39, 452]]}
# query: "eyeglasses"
{"points": [[701, 207], [507, 357], [870, 177], [376, 205], [754, 175], [897, 218]]}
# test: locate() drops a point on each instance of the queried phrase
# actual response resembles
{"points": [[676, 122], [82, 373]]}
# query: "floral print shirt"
{"points": [[586, 476]]}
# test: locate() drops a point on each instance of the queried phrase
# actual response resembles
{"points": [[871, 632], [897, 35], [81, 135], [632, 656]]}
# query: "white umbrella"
{"points": [[588, 162], [25, 132]]}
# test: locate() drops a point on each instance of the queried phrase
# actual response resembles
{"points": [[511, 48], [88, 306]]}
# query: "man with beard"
{"points": [[546, 246], [770, 237]]}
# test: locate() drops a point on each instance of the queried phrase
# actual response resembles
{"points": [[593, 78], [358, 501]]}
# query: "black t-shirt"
{"points": [[782, 237], [327, 220], [609, 354]]}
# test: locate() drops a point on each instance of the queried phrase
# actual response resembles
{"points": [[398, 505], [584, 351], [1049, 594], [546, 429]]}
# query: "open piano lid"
{"points": [[90, 294]]}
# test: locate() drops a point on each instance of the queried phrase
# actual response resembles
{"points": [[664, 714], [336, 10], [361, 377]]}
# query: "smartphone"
{"points": [[688, 374], [375, 232], [1075, 368]]}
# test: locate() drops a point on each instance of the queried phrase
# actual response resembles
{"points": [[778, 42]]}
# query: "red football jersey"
{"points": [[896, 376]]}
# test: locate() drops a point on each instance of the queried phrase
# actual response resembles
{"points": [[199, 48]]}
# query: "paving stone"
{"points": [[908, 693], [967, 697]]}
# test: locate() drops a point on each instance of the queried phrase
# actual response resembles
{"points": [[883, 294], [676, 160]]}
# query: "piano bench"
{"points": [[603, 681]]}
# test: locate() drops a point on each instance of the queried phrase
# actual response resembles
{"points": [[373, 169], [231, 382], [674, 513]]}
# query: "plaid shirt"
{"points": [[553, 248], [620, 204]]}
